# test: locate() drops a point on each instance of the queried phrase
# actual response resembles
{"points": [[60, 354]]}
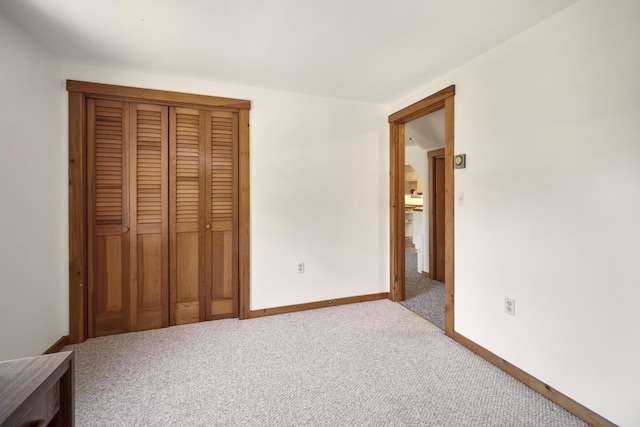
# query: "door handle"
{"points": [[208, 226], [125, 229]]}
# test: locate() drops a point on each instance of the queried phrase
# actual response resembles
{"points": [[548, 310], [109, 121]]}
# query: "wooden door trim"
{"points": [[79, 92], [449, 218], [432, 156], [77, 218], [396, 212], [438, 101], [423, 107], [152, 96], [244, 265]]}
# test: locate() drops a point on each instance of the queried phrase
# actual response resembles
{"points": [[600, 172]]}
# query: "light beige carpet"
{"points": [[367, 364]]}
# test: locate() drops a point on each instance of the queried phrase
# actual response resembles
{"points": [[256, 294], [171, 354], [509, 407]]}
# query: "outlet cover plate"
{"points": [[510, 306]]}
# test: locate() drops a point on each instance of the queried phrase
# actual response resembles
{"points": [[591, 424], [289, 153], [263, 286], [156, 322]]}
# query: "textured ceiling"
{"points": [[368, 50]]}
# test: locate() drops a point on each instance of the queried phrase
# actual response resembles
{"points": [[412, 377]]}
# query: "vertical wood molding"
{"points": [[165, 219], [126, 217], [244, 262], [89, 148], [173, 271], [131, 200], [396, 198], [77, 220], [400, 290], [449, 263], [203, 237], [393, 211]]}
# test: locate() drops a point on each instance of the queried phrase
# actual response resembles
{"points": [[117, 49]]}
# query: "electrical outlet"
{"points": [[300, 267], [510, 306]]}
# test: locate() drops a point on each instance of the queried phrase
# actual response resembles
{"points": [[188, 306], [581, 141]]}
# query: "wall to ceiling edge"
{"points": [[549, 123]]}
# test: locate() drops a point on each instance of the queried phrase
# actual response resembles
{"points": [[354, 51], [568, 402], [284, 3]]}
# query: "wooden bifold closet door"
{"points": [[162, 216], [204, 215]]}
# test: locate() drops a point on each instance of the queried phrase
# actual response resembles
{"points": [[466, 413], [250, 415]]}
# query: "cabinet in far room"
{"points": [[412, 181], [408, 223]]}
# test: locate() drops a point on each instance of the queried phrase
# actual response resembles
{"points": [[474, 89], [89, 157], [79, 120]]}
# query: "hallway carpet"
{"points": [[423, 296]]}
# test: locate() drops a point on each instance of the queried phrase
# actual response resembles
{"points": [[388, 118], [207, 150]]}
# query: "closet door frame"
{"points": [[79, 92]]}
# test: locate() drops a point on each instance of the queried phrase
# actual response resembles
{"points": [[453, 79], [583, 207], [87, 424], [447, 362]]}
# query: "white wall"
{"points": [[319, 189], [550, 124], [33, 189]]}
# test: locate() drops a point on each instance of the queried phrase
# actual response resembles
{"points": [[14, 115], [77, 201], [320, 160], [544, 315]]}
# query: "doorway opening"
{"points": [[424, 219], [442, 100]]}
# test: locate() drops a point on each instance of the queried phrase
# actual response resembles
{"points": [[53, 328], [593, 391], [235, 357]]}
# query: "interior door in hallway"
{"points": [[127, 216], [203, 215], [438, 210]]}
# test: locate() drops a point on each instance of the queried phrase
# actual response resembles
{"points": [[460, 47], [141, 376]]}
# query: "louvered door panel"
{"points": [[108, 216], [109, 163], [149, 202], [186, 197], [162, 216], [222, 213]]}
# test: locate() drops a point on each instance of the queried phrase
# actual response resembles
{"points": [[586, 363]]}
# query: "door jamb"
{"points": [[438, 101], [78, 94]]}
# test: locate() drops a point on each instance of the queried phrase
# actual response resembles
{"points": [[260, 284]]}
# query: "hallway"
{"points": [[424, 297]]}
